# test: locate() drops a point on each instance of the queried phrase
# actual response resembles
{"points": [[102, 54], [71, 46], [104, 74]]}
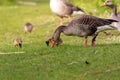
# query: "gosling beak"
{"points": [[53, 43], [104, 4], [20, 45]]}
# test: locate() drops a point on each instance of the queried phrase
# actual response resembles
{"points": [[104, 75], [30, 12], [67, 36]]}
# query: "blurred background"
{"points": [[87, 5], [11, 2]]}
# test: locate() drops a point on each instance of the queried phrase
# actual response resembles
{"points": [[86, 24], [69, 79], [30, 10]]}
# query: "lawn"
{"points": [[69, 61]]}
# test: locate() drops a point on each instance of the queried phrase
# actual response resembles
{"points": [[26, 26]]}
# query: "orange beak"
{"points": [[50, 41], [104, 4], [53, 43]]}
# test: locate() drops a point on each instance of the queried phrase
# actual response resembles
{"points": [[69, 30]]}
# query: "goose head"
{"points": [[55, 39], [108, 3], [54, 42]]}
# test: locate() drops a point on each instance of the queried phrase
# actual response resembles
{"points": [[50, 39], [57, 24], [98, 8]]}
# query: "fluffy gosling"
{"points": [[28, 27], [17, 41]]}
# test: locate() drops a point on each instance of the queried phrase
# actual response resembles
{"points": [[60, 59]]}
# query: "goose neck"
{"points": [[57, 32], [114, 10]]}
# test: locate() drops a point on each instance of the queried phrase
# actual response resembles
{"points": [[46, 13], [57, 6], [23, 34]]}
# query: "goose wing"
{"points": [[91, 21], [74, 8]]}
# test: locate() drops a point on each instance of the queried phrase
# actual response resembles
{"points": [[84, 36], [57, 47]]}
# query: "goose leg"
{"points": [[93, 39], [85, 41], [61, 21], [69, 18]]}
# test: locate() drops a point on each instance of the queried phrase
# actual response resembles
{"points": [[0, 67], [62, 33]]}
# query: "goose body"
{"points": [[83, 26], [114, 15], [62, 8]]}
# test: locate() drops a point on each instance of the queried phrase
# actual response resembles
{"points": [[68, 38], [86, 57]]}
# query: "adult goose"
{"points": [[62, 8], [114, 14], [82, 26]]}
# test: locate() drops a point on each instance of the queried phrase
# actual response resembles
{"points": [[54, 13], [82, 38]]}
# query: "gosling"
{"points": [[28, 27], [17, 41]]}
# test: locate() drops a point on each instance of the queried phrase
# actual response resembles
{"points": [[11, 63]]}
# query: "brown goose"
{"points": [[62, 8], [17, 41], [83, 26], [28, 27], [114, 14]]}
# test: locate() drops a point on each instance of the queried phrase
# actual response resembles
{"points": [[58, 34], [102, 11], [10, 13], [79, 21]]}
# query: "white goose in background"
{"points": [[62, 8], [114, 14]]}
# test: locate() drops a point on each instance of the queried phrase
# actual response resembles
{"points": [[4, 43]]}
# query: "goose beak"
{"points": [[53, 43], [104, 4], [50, 41]]}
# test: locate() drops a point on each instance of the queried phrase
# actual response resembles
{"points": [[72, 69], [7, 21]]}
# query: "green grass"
{"points": [[65, 62]]}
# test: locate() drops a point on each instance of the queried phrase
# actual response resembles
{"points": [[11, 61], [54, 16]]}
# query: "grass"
{"points": [[36, 61]]}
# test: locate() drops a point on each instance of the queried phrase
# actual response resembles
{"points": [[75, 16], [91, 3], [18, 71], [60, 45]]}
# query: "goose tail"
{"points": [[112, 20], [77, 10]]}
